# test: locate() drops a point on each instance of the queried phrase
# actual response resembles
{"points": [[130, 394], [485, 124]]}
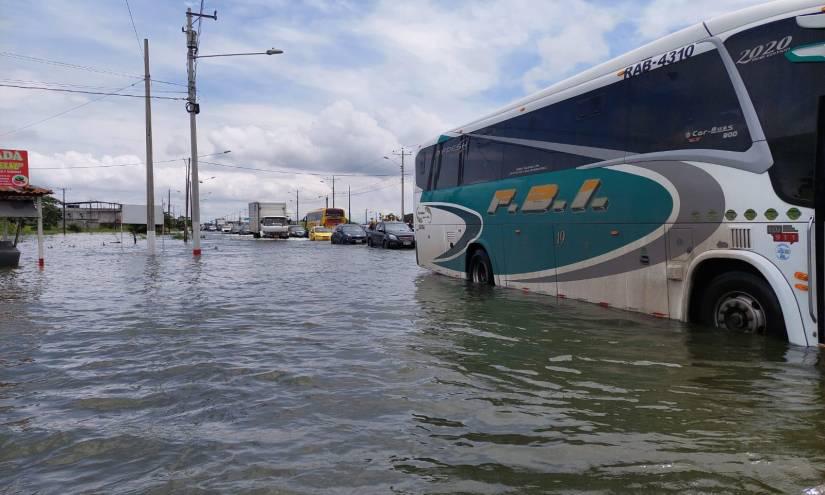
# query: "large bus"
{"points": [[683, 180], [325, 217]]}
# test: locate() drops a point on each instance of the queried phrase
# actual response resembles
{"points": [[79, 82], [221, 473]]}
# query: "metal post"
{"points": [[402, 185], [297, 208], [40, 261], [349, 204], [333, 191], [150, 181]]}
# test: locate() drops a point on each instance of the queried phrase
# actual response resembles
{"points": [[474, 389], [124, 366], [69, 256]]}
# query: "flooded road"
{"points": [[298, 367]]}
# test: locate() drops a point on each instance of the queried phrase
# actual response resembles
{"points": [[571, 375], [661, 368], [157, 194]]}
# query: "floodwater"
{"points": [[301, 367]]}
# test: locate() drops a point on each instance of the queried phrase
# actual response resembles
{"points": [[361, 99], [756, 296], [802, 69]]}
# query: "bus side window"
{"points": [[423, 166], [687, 105], [447, 174], [482, 162]]}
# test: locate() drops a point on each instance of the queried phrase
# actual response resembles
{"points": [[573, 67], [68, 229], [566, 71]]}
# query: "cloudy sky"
{"points": [[358, 80]]}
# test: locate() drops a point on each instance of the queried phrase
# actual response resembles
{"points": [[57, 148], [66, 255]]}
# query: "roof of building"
{"points": [[24, 192]]}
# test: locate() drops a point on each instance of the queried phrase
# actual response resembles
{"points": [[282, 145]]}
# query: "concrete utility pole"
{"points": [[349, 203], [150, 180], [186, 215], [297, 207], [333, 191], [64, 210], [193, 108], [402, 153]]}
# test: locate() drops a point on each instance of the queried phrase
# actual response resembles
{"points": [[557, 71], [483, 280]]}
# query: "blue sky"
{"points": [[358, 80]]}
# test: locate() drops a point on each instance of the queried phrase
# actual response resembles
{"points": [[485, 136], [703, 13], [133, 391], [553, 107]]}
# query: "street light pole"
{"points": [[193, 109]]}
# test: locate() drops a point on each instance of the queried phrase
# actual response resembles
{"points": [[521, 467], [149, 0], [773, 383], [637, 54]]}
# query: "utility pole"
{"points": [[64, 210], [327, 202], [168, 205], [150, 180], [349, 203], [333, 191], [193, 108], [186, 215], [365, 215], [297, 207], [402, 153]]}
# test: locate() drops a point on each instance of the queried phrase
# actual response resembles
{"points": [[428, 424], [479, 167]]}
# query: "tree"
{"points": [[52, 215]]}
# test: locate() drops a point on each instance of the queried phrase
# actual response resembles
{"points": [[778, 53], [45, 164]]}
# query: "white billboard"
{"points": [[136, 215]]}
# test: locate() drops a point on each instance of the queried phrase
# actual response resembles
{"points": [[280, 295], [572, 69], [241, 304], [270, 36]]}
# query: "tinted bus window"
{"points": [[446, 174], [687, 105], [785, 96], [596, 121], [482, 162], [423, 165]]}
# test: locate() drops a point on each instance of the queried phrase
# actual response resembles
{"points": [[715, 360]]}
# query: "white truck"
{"points": [[268, 220]]}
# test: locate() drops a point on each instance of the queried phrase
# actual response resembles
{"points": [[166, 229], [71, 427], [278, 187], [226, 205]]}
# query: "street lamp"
{"points": [[193, 108]]}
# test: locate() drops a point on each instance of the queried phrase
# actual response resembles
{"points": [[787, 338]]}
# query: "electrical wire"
{"points": [[134, 28], [296, 172], [89, 92], [122, 164], [83, 67], [64, 112]]}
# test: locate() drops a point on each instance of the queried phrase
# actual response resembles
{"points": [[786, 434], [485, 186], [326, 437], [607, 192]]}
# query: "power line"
{"points": [[84, 86], [64, 112], [82, 67], [296, 172], [134, 28], [120, 164], [88, 92]]}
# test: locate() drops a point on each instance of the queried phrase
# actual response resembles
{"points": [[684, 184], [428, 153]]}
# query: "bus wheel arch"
{"points": [[736, 279], [479, 266]]}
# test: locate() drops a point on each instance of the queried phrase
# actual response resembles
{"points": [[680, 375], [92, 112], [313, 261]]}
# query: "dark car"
{"points": [[297, 231], [390, 235], [348, 233]]}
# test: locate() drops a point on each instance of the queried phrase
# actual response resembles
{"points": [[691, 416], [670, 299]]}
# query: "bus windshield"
{"points": [[785, 95]]}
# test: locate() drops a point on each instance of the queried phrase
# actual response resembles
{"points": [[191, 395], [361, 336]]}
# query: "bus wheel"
{"points": [[742, 302], [481, 270]]}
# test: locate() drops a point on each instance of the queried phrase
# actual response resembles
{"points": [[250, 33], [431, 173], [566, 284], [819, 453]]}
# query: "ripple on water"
{"points": [[298, 367]]}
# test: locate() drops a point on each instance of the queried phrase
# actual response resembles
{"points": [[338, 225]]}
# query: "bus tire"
{"points": [[481, 269], [742, 302]]}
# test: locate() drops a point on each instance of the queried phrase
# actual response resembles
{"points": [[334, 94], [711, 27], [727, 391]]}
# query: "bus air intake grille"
{"points": [[740, 238]]}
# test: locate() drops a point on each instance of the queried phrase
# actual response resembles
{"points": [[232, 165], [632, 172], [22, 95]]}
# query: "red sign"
{"points": [[790, 237], [14, 168]]}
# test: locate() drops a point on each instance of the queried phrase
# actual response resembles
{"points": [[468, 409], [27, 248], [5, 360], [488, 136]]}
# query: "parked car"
{"points": [[390, 235], [245, 230], [348, 233], [297, 231], [319, 233]]}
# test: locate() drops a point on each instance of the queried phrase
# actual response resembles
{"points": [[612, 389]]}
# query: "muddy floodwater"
{"points": [[303, 367]]}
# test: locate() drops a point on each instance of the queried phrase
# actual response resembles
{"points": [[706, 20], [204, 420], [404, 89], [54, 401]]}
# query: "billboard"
{"points": [[14, 168], [136, 214]]}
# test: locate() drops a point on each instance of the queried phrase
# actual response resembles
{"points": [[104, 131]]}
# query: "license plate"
{"points": [[407, 243]]}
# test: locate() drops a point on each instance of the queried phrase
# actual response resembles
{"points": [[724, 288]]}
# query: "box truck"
{"points": [[268, 220]]}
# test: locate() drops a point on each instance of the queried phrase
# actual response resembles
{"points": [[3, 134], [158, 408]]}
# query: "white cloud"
{"points": [[661, 17], [357, 81]]}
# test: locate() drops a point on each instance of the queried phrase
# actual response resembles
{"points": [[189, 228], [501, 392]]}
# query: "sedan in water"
{"points": [[390, 235], [348, 233], [319, 234], [297, 231]]}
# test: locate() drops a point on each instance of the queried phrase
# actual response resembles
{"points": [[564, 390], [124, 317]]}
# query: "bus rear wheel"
{"points": [[480, 269], [742, 302]]}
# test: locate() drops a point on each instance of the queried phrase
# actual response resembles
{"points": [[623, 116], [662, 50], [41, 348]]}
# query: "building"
{"points": [[93, 214]]}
